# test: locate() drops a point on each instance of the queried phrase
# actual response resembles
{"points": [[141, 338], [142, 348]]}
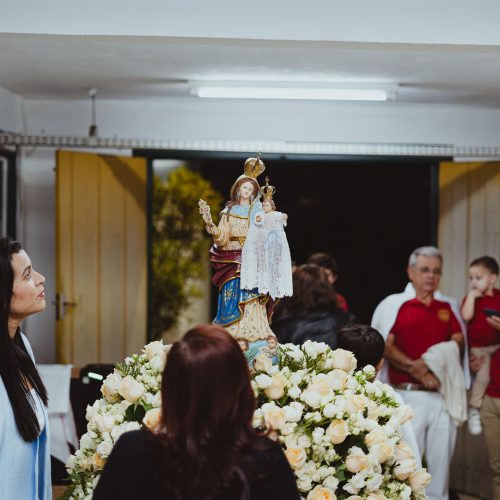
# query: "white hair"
{"points": [[426, 252]]}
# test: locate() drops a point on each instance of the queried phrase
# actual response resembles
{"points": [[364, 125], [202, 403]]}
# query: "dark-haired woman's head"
{"points": [[21, 294], [206, 391], [312, 291]]}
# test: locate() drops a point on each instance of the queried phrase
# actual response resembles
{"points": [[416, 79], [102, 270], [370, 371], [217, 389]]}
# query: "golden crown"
{"points": [[267, 190], [254, 167]]}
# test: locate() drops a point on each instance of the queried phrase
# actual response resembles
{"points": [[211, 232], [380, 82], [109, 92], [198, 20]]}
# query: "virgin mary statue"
{"points": [[244, 313]]}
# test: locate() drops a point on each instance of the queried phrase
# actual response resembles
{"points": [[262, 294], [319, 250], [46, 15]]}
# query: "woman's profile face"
{"points": [[28, 295], [246, 190]]}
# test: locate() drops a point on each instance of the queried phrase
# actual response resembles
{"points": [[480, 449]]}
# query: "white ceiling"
{"points": [[126, 67]]}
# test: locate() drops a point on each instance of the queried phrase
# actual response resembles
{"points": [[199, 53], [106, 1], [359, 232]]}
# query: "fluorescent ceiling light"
{"points": [[345, 92]]}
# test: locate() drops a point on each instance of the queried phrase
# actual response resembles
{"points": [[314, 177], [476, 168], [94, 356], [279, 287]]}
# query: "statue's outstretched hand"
{"points": [[207, 217]]}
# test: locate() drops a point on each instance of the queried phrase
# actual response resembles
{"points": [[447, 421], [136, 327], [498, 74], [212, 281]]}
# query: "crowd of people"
{"points": [[421, 342], [431, 344]]}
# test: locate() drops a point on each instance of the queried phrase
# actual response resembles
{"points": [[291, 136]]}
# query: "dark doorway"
{"points": [[368, 213]]}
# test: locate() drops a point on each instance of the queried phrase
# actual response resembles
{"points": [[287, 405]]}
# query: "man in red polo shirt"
{"points": [[421, 322]]}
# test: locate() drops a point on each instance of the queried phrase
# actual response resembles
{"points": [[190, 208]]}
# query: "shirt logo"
{"points": [[443, 315]]}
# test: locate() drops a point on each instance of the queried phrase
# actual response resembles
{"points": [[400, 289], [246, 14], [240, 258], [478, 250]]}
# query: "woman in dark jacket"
{"points": [[313, 312], [206, 447]]}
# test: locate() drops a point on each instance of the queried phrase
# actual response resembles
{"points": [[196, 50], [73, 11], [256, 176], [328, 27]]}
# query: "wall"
{"points": [[10, 111]]}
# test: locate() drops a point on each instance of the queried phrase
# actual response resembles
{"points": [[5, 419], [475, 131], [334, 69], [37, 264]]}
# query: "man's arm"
{"points": [[415, 367], [459, 339]]}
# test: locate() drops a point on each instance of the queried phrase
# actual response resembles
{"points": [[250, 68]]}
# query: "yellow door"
{"points": [[101, 267]]}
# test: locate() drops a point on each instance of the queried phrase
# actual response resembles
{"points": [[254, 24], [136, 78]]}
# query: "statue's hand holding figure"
{"points": [[207, 218]]}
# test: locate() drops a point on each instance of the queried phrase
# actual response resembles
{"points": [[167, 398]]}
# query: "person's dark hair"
{"points": [[324, 260], [207, 410], [235, 197], [311, 291], [364, 342], [487, 262], [17, 369]]}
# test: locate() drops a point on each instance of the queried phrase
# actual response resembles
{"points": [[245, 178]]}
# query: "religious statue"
{"points": [[243, 313], [266, 262]]}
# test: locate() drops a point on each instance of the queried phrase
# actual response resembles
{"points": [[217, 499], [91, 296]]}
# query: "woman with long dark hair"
{"points": [[206, 447], [24, 440], [313, 312]]}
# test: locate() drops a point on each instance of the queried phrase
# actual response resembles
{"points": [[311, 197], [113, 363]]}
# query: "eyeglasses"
{"points": [[427, 270]]}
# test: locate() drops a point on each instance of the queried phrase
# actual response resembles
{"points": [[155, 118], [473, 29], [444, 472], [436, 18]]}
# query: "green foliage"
{"points": [[179, 244]]}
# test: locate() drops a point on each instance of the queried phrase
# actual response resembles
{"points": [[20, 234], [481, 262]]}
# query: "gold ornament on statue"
{"points": [[252, 169], [267, 191]]}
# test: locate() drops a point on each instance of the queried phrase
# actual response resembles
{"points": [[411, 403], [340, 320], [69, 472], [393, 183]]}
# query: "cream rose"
{"points": [[152, 419], [403, 451], [376, 496], [356, 402], [262, 363], [339, 379], [354, 497], [405, 413], [98, 461], [404, 468], [321, 493], [274, 416], [277, 388], [419, 480], [130, 389], [356, 460], [111, 386], [343, 360], [375, 436], [383, 451], [337, 431], [296, 457], [321, 384]]}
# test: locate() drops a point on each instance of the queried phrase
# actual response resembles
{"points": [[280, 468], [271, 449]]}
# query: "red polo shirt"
{"points": [[479, 332], [493, 389], [417, 328]]}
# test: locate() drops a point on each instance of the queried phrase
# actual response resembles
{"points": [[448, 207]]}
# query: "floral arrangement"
{"points": [[340, 429]]}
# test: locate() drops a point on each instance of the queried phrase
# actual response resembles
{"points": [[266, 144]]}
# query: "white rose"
{"points": [[277, 388], [152, 419], [296, 457], [329, 410], [104, 423], [104, 448], [321, 493], [274, 416], [419, 480], [331, 482], [343, 360], [313, 399], [263, 381], [354, 497], [369, 371], [404, 468], [337, 431], [295, 378], [294, 392], [111, 386], [153, 349], [130, 389], [157, 362], [87, 442], [356, 460], [122, 428], [376, 496], [293, 412], [304, 483], [317, 435], [375, 436], [262, 363]]}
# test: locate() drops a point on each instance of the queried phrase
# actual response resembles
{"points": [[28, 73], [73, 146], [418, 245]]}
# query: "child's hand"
{"points": [[258, 218], [475, 293], [285, 216]]}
